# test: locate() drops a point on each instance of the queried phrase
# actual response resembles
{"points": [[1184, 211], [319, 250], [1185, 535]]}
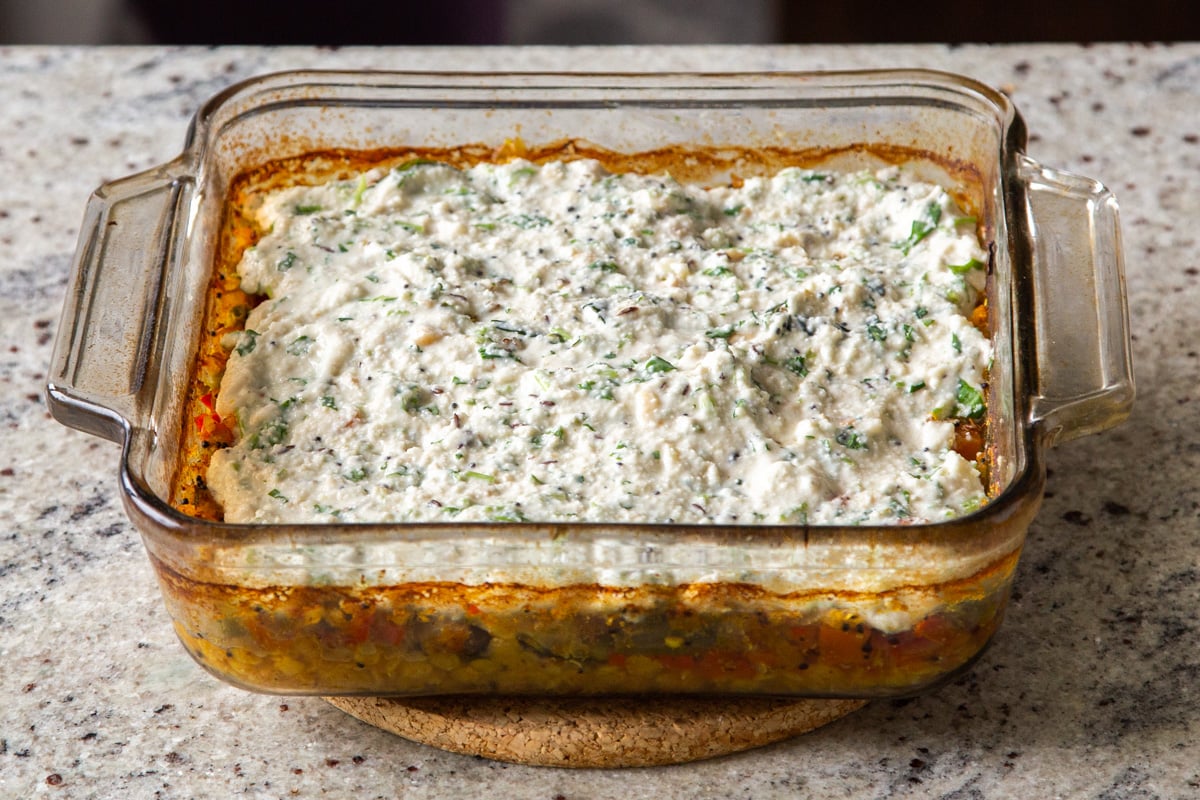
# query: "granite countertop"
{"points": [[1089, 690]]}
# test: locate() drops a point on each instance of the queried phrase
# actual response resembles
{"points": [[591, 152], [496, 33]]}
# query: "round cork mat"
{"points": [[595, 732]]}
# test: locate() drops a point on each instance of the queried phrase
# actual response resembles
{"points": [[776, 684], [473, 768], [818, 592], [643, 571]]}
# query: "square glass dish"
{"points": [[595, 608]]}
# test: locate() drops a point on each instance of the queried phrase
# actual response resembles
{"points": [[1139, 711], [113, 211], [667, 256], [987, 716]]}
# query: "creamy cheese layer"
{"points": [[554, 342]]}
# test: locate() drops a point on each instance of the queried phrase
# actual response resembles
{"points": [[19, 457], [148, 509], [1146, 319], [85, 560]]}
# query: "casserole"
{"points": [[578, 608]]}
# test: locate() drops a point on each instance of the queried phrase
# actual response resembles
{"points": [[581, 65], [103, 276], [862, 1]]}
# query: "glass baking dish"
{"points": [[557, 608]]}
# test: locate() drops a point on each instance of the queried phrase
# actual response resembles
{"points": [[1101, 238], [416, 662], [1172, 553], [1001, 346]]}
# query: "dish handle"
{"points": [[113, 302], [1084, 382]]}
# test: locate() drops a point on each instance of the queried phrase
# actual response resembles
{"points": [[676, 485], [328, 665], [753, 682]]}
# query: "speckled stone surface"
{"points": [[1091, 689]]}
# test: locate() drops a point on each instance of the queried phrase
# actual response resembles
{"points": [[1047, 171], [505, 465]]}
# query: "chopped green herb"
{"points": [[412, 397], [875, 331], [305, 210], [278, 495], [356, 200], [604, 266], [970, 401], [599, 389], [412, 164], [511, 514], [300, 346], [523, 172], [247, 342], [527, 221], [491, 350], [850, 439], [658, 364], [963, 269], [508, 327], [271, 434], [921, 227], [798, 365], [287, 262]]}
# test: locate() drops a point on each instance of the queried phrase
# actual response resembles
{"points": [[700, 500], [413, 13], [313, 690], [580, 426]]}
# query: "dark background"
{"points": [[590, 21], [1002, 21]]}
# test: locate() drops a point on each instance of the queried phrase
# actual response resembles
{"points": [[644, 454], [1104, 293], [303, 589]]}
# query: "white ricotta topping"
{"points": [[555, 342]]}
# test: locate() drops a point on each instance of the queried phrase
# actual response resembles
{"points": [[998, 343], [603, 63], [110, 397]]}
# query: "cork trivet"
{"points": [[595, 732]]}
